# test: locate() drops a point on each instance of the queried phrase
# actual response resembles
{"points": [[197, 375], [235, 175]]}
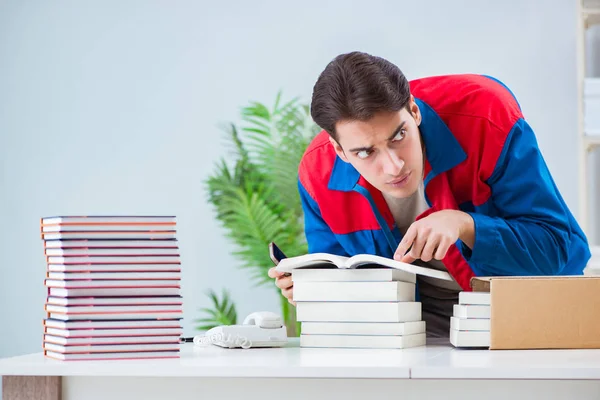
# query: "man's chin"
{"points": [[399, 193]]}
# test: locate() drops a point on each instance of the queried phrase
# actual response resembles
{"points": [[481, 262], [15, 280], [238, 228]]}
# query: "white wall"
{"points": [[592, 70], [113, 107]]}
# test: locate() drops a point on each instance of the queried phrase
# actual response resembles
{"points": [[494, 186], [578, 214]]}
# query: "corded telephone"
{"points": [[259, 329]]}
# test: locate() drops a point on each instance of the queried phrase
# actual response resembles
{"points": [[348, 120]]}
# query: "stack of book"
{"points": [[113, 287], [470, 325], [358, 308]]}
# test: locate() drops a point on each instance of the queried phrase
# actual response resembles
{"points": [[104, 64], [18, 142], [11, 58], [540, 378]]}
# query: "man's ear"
{"points": [[415, 111], [338, 149]]}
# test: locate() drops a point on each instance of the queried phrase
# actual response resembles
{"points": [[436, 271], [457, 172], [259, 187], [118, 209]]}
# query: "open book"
{"points": [[326, 260]]}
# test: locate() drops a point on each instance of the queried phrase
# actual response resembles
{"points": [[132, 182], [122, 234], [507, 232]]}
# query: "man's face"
{"points": [[386, 150]]}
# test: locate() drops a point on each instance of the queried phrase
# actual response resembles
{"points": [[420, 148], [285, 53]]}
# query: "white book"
{"points": [[106, 227], [103, 251], [471, 311], [121, 219], [75, 310], [370, 342], [325, 260], [352, 275], [97, 333], [116, 315], [113, 324], [358, 312], [113, 267], [113, 275], [99, 243], [469, 324], [97, 301], [146, 283], [363, 328], [354, 291], [169, 234], [114, 260], [135, 291], [112, 356], [474, 298], [66, 341], [469, 338], [110, 348]]}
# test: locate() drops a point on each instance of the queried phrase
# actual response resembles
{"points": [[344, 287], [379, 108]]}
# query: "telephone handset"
{"points": [[259, 329]]}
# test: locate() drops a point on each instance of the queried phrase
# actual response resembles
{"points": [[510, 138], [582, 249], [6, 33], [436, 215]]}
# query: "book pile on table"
{"points": [[113, 285], [470, 324], [358, 308]]}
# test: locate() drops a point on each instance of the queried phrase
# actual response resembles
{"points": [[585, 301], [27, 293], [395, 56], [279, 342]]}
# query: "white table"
{"points": [[290, 373]]}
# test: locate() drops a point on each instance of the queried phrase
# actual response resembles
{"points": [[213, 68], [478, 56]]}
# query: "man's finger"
{"points": [[284, 283], [288, 293], [418, 245], [407, 259], [406, 242], [273, 273], [429, 248], [442, 249]]}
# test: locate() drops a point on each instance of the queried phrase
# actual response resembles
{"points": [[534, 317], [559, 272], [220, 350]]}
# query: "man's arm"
{"points": [[319, 236], [533, 233]]}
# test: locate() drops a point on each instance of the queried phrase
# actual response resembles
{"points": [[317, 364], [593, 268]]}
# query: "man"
{"points": [[441, 171]]}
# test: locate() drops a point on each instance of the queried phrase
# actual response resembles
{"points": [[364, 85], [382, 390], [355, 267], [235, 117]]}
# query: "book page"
{"points": [[361, 259], [315, 260]]}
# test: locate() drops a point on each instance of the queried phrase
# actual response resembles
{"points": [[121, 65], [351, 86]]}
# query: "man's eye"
{"points": [[363, 154], [400, 135]]}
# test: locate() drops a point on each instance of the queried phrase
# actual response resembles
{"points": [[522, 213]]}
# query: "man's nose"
{"points": [[392, 164]]}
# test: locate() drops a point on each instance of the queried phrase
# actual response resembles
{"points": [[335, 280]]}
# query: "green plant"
{"points": [[255, 195], [222, 312]]}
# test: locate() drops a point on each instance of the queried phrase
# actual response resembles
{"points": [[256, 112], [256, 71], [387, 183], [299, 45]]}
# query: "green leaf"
{"points": [[277, 100], [222, 312], [256, 130], [254, 193], [256, 109]]}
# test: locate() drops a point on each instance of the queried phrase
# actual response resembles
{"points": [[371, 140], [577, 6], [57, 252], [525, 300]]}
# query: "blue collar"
{"points": [[442, 150]]}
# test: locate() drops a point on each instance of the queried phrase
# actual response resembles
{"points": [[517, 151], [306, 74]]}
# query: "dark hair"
{"points": [[355, 86]]}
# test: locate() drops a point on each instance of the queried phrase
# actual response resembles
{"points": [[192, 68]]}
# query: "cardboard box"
{"points": [[558, 312]]}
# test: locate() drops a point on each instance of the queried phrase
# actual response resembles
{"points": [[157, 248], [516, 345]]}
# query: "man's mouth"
{"points": [[400, 181]]}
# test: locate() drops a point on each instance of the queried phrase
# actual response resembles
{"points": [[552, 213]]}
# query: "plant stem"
{"points": [[288, 312]]}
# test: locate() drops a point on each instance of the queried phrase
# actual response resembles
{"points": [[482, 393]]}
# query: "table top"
{"points": [[437, 360]]}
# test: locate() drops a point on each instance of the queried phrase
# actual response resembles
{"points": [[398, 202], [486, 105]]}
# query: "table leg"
{"points": [[31, 388]]}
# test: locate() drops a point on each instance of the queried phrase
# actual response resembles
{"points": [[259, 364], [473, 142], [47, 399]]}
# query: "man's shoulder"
{"points": [[317, 163], [319, 142], [469, 97]]}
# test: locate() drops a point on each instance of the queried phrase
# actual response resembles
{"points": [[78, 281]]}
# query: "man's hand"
{"points": [[284, 282], [431, 237]]}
